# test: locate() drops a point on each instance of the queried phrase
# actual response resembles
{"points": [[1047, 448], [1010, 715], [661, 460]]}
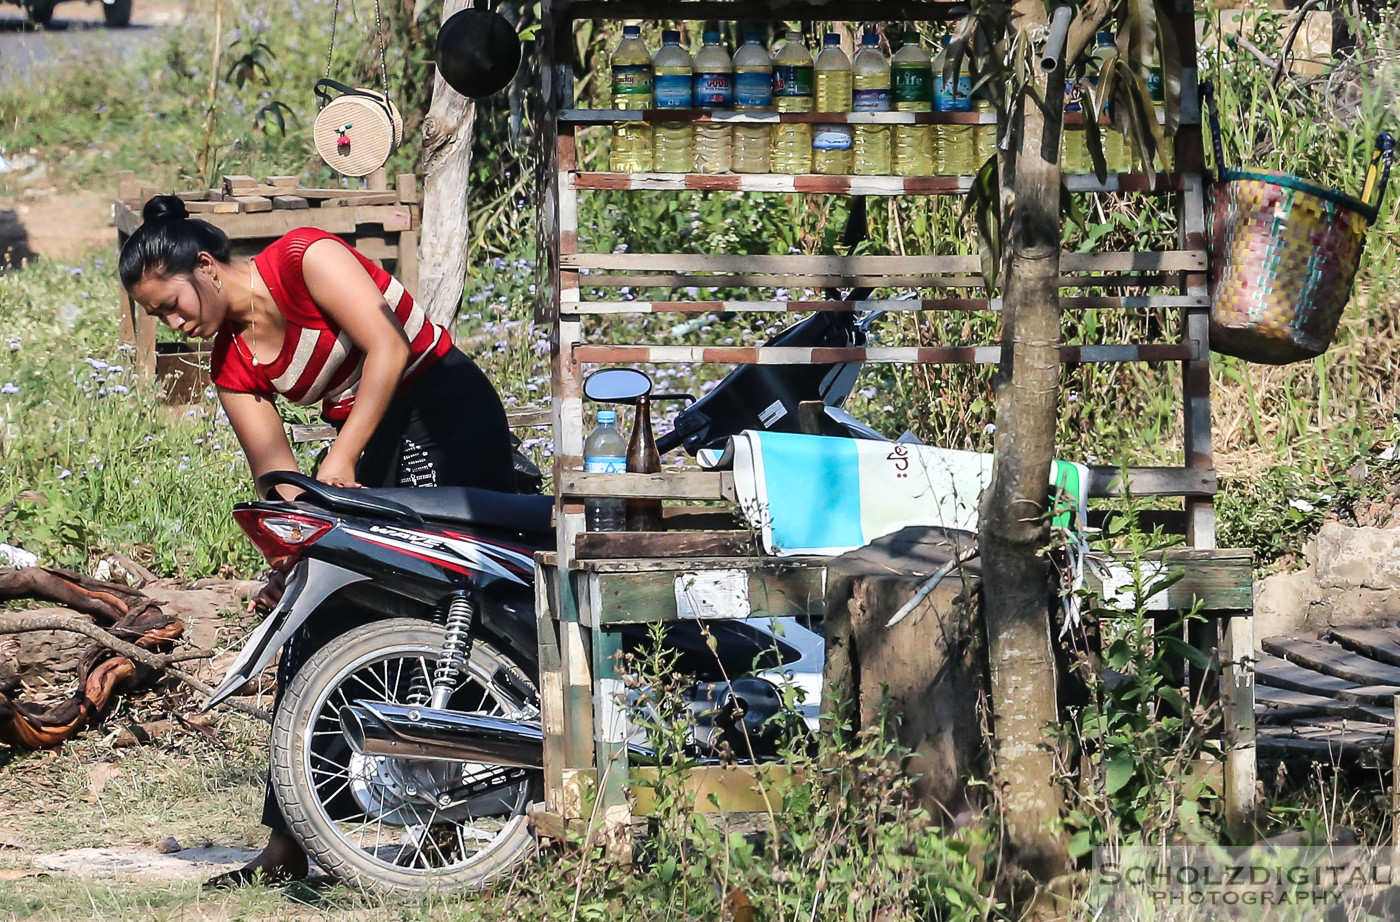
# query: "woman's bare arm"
{"points": [[259, 431]]}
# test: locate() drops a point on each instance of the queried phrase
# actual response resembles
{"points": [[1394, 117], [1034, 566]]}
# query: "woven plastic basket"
{"points": [[1283, 257]]}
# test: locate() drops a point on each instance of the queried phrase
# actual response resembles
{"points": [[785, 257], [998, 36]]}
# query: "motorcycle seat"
{"points": [[526, 513]]}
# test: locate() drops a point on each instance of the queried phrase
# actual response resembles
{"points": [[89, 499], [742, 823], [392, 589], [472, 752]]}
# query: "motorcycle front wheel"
{"points": [[400, 825]]}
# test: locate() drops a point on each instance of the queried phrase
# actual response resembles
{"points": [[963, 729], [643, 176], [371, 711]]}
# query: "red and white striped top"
{"points": [[318, 362]]}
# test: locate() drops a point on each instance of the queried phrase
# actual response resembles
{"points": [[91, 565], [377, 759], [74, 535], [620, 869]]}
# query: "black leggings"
{"points": [[447, 430]]}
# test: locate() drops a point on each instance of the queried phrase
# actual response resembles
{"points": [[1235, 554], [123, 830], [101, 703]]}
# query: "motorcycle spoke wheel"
{"points": [[399, 824]]}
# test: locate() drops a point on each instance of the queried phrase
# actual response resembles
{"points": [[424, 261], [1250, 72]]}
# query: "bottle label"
{"points": [[1074, 95], [954, 95], [753, 89], [673, 91], [871, 100], [832, 137], [604, 465], [792, 80], [631, 79], [1154, 85], [714, 91], [913, 84]]}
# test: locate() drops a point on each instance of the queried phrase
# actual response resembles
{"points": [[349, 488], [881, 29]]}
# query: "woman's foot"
{"points": [[281, 860]]}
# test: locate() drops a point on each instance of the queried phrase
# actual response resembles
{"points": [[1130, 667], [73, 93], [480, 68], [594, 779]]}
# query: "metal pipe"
{"points": [[1055, 41], [408, 732]]}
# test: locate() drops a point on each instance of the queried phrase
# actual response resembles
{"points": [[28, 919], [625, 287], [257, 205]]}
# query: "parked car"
{"points": [[116, 13]]}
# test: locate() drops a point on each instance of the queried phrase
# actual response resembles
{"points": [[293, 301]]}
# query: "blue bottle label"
{"points": [[871, 100], [673, 91], [954, 95], [753, 88], [832, 137], [604, 465], [714, 91]]}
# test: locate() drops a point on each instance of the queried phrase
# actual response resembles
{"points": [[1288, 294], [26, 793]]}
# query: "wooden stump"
{"points": [[932, 664]]}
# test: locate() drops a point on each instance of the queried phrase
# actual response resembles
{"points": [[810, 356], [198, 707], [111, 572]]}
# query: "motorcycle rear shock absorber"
{"points": [[456, 648]]}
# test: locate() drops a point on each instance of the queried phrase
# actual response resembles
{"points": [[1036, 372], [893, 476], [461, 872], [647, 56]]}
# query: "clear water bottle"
{"points": [[631, 89], [831, 144], [753, 95], [955, 152], [792, 90], [605, 452], [673, 148], [911, 76], [871, 153], [713, 89]]}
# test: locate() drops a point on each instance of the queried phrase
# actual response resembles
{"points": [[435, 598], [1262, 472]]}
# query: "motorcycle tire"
{"points": [[301, 752], [117, 14], [40, 11]]}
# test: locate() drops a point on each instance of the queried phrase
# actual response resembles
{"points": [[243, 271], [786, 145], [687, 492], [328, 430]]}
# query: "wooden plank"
{"points": [[925, 355], [238, 184], [1151, 481], [1284, 747], [763, 11], [716, 788], [796, 265], [1377, 643], [692, 485], [284, 182], [406, 187], [125, 219], [289, 202], [1280, 673], [376, 248], [651, 596], [1333, 660], [1133, 302], [277, 223], [253, 203], [230, 207], [1274, 702], [674, 565], [700, 518], [127, 187], [407, 270], [391, 217], [198, 195], [681, 280], [377, 181], [364, 198], [632, 544]]}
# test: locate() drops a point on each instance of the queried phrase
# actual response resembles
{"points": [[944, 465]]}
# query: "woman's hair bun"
{"points": [[164, 208]]}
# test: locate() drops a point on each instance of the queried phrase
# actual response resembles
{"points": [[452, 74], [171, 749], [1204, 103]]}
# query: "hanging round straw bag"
{"points": [[356, 129], [1283, 256]]}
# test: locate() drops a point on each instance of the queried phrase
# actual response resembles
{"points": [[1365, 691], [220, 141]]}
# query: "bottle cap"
{"points": [[711, 37], [671, 37], [607, 417], [947, 40], [631, 31], [870, 38], [1105, 38], [751, 35], [793, 35], [831, 38]]}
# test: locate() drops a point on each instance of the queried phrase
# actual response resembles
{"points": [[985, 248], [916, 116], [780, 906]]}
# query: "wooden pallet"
{"points": [[1329, 698], [380, 222]]}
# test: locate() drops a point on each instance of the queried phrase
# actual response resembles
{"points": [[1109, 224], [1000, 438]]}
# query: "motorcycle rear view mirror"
{"points": [[616, 385]]}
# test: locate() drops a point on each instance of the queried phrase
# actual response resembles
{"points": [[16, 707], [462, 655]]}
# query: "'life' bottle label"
{"points": [[912, 85]]}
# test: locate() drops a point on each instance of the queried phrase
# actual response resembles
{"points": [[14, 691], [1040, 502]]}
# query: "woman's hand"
{"points": [[333, 473]]}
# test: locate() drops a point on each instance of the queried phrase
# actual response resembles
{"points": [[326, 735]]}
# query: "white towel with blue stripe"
{"points": [[812, 494]]}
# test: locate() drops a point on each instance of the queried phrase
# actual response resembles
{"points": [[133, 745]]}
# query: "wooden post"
{"points": [[1395, 786]]}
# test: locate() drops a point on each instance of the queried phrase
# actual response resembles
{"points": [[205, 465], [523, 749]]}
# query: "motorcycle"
{"points": [[407, 750]]}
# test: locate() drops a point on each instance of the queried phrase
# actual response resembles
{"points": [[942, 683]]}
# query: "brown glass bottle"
{"points": [[643, 458]]}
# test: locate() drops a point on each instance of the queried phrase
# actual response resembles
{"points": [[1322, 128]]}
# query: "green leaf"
{"points": [[1118, 773], [1167, 643], [1081, 843]]}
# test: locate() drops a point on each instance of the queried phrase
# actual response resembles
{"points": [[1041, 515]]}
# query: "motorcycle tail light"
{"points": [[280, 536]]}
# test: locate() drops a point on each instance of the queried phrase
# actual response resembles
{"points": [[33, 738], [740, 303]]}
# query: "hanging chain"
{"points": [[383, 42]]}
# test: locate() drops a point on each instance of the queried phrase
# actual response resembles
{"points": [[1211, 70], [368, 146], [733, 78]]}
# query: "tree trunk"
{"points": [[1014, 527], [448, 132]]}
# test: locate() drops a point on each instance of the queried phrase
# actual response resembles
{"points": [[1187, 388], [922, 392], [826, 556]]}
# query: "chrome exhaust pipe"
{"points": [[411, 732]]}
